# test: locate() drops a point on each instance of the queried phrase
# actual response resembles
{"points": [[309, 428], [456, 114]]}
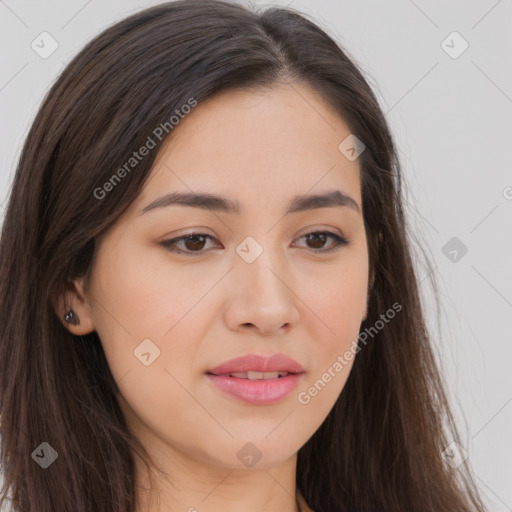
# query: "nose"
{"points": [[262, 297]]}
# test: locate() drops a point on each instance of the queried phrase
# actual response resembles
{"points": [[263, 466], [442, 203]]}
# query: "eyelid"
{"points": [[340, 241]]}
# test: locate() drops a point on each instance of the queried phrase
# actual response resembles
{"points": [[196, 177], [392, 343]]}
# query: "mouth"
{"points": [[252, 375], [257, 379]]}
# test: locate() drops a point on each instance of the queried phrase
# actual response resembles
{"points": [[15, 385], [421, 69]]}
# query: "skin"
{"points": [[261, 148]]}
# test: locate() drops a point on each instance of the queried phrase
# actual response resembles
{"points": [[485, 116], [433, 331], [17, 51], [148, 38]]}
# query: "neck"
{"points": [[184, 483]]}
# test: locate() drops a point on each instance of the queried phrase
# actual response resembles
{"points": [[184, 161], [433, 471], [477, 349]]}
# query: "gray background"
{"points": [[452, 120]]}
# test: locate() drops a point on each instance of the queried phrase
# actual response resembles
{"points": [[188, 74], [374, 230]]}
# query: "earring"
{"points": [[71, 318]]}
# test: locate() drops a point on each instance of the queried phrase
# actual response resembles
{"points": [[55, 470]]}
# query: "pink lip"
{"points": [[258, 363], [264, 391], [260, 392]]}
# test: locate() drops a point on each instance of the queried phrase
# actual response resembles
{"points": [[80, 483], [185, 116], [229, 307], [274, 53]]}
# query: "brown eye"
{"points": [[316, 241], [191, 244], [194, 243]]}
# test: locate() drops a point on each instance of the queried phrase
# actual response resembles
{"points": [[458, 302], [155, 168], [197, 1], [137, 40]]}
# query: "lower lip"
{"points": [[261, 391]]}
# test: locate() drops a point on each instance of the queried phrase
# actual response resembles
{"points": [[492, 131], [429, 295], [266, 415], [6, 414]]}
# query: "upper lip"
{"points": [[258, 363]]}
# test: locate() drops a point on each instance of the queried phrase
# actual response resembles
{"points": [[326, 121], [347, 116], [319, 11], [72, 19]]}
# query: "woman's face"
{"points": [[251, 283]]}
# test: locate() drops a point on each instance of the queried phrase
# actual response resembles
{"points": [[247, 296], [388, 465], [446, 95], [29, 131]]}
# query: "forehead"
{"points": [[283, 116], [280, 141]]}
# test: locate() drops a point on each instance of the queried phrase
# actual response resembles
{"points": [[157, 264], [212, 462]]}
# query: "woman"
{"points": [[208, 296]]}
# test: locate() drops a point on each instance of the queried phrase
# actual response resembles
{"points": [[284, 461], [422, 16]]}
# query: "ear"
{"points": [[75, 298]]}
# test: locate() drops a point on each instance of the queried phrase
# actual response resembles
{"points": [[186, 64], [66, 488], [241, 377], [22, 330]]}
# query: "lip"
{"points": [[258, 363], [257, 392]]}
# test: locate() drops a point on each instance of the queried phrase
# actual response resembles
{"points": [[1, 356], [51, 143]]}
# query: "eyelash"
{"points": [[339, 243]]}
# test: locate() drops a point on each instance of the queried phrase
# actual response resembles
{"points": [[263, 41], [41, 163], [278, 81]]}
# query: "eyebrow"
{"points": [[221, 204]]}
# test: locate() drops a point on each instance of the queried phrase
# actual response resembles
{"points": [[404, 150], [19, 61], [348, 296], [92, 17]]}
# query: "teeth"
{"points": [[258, 375]]}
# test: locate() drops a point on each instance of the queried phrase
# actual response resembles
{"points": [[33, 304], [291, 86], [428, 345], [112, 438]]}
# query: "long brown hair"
{"points": [[380, 446]]}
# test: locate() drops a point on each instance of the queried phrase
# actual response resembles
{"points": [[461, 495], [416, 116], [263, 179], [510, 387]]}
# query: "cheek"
{"points": [[340, 307], [338, 301], [337, 295], [146, 311], [140, 289], [148, 337]]}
